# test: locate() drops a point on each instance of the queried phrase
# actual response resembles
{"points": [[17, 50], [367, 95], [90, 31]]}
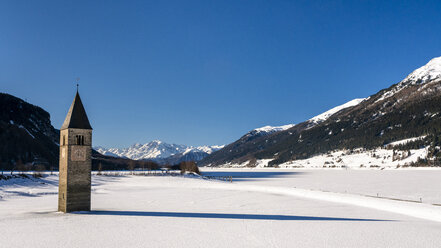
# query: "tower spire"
{"points": [[76, 117]]}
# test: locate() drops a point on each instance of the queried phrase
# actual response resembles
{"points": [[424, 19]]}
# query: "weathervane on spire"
{"points": [[78, 85]]}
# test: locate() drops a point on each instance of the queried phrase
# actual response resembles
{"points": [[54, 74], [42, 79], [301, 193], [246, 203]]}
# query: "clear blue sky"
{"points": [[206, 72]]}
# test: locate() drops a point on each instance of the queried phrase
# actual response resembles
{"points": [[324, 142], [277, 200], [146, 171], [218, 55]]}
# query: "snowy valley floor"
{"points": [[261, 208]]}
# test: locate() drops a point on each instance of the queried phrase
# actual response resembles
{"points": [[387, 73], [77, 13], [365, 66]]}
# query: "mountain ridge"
{"points": [[160, 152], [404, 110]]}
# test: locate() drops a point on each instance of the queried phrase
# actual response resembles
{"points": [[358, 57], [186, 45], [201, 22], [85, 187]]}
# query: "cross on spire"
{"points": [[78, 85]]}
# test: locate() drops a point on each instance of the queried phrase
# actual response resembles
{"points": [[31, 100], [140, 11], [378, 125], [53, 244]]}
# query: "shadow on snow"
{"points": [[221, 216]]}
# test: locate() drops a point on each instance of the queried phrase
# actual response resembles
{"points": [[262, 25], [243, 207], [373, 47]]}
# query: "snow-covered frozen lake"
{"points": [[408, 184], [261, 208]]}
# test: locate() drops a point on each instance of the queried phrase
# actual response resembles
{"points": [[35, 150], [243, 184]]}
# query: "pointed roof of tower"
{"points": [[76, 117]]}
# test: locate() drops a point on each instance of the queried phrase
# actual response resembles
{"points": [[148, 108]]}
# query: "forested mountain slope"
{"points": [[407, 109]]}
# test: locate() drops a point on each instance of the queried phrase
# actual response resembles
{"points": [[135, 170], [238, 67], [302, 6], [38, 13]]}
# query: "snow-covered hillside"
{"points": [[360, 158], [271, 129], [379, 158], [268, 130], [154, 150], [315, 120], [324, 116]]}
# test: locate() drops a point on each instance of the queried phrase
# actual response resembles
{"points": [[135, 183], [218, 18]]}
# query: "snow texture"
{"points": [[324, 116], [262, 131], [360, 158], [379, 158], [271, 129], [261, 208], [206, 149], [22, 127], [428, 72], [405, 141]]}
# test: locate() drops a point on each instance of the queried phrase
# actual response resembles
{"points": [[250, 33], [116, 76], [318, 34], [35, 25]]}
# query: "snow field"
{"points": [[378, 158], [137, 211]]}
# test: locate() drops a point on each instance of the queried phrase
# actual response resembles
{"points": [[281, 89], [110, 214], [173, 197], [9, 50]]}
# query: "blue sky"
{"points": [[206, 72]]}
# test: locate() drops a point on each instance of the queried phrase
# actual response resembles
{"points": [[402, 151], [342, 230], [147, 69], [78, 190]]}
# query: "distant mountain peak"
{"points": [[428, 72], [156, 150]]}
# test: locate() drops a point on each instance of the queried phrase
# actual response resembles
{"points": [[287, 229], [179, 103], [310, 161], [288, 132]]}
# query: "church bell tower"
{"points": [[75, 160]]}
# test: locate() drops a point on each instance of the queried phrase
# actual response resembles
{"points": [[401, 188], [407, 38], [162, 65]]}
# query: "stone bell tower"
{"points": [[75, 160]]}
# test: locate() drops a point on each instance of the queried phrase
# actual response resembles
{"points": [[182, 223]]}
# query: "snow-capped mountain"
{"points": [[403, 111], [203, 149], [428, 72], [156, 150], [151, 150]]}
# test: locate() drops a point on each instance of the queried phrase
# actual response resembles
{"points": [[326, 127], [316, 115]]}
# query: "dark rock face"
{"points": [[26, 133]]}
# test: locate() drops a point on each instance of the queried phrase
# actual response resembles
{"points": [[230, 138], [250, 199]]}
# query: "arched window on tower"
{"points": [[64, 140], [80, 140]]}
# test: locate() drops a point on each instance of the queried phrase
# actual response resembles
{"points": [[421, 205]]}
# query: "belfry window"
{"points": [[80, 140], [64, 140]]}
